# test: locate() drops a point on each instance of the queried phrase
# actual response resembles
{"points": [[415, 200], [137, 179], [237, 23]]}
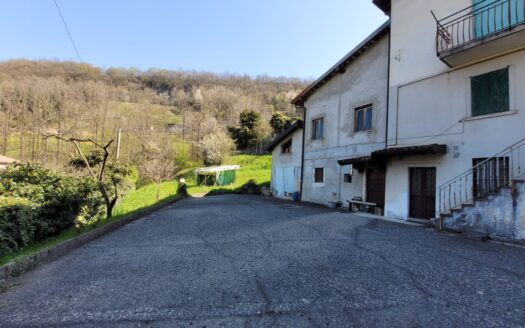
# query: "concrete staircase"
{"points": [[500, 214], [489, 198]]}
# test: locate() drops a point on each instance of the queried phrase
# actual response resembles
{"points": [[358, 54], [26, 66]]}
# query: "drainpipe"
{"points": [[388, 87], [302, 154]]}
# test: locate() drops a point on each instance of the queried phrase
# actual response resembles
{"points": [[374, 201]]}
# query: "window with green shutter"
{"points": [[490, 92]]}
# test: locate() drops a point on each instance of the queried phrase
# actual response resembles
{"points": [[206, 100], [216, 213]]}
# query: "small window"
{"points": [[363, 118], [318, 128], [286, 148], [348, 178], [319, 175], [490, 92]]}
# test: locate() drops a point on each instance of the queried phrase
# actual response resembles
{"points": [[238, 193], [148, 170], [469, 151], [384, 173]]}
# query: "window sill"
{"points": [[482, 117], [363, 131]]}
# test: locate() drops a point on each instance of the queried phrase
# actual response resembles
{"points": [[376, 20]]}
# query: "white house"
{"points": [[287, 148], [425, 118], [456, 113], [345, 120]]}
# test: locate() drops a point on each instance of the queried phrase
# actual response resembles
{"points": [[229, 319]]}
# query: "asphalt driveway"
{"points": [[242, 261]]}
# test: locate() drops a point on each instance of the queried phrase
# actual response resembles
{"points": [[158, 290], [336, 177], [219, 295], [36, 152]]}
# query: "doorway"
{"points": [[422, 192], [375, 187]]}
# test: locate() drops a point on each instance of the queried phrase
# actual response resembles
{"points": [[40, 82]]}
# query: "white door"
{"points": [[289, 179], [278, 184], [283, 179]]}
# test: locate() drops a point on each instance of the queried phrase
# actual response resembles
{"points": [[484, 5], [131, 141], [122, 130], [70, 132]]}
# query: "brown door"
{"points": [[423, 192], [375, 187]]}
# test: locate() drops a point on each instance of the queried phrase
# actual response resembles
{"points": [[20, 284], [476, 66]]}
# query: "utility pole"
{"points": [[119, 135]]}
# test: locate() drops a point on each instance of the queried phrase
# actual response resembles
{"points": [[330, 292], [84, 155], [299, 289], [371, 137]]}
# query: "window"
{"points": [[318, 128], [363, 118], [490, 92], [348, 176], [319, 175], [286, 148]]}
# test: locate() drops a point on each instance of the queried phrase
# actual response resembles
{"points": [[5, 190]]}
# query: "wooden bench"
{"points": [[362, 206]]}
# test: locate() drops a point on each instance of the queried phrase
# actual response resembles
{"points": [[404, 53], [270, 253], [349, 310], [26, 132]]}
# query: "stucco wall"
{"points": [[364, 82], [500, 215], [413, 37], [293, 160], [438, 110]]}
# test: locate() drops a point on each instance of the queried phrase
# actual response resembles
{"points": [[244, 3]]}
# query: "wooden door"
{"points": [[375, 187], [422, 193]]}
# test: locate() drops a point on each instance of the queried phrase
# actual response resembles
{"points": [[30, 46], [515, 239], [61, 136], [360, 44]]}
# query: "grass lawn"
{"points": [[132, 202], [258, 168]]}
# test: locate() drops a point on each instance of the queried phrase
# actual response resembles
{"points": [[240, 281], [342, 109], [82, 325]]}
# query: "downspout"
{"points": [[388, 87], [302, 155]]}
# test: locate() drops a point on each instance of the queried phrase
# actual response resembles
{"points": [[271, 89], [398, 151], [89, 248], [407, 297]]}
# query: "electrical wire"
{"points": [[437, 135], [67, 30]]}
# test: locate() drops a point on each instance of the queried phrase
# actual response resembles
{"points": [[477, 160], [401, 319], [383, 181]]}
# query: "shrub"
{"points": [[18, 223], [216, 147], [251, 187], [37, 203]]}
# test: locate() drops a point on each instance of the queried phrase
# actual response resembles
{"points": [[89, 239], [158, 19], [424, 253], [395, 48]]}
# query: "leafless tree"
{"points": [[158, 163], [110, 200]]}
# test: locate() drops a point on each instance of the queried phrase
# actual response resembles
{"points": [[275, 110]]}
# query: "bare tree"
{"points": [[110, 200], [158, 163]]}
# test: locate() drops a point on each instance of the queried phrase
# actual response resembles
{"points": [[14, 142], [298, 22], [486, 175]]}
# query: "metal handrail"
{"points": [[470, 10], [483, 178], [501, 153], [471, 24]]}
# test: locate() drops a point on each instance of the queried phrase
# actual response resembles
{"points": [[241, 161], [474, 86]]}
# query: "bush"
{"points": [[18, 223], [36, 203], [251, 187], [216, 147]]}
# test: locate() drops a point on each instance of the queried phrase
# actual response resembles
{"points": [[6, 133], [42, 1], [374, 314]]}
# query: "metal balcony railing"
{"points": [[472, 24], [485, 178]]}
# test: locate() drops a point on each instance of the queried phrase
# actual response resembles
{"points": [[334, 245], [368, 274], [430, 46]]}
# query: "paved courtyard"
{"points": [[246, 261]]}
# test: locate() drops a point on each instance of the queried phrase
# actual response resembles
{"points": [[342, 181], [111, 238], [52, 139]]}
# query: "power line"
{"points": [[67, 30]]}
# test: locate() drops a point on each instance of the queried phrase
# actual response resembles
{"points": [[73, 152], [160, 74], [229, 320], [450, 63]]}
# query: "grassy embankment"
{"points": [[132, 202], [258, 168]]}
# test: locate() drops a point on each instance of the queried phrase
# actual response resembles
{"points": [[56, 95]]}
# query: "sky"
{"points": [[295, 38]]}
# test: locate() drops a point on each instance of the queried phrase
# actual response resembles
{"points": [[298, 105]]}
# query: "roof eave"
{"points": [[283, 135], [384, 5], [340, 67]]}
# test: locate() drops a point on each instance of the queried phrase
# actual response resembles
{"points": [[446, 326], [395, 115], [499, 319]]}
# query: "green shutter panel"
{"points": [[490, 92]]}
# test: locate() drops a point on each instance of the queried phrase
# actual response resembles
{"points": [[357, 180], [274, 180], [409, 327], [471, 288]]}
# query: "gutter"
{"points": [[388, 87], [302, 155]]}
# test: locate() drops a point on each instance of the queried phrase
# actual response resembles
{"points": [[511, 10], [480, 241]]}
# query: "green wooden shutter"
{"points": [[490, 92]]}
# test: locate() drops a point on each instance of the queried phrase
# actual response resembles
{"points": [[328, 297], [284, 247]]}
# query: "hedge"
{"points": [[36, 203]]}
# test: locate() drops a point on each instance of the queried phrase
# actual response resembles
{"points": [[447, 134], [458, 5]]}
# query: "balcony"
{"points": [[486, 29]]}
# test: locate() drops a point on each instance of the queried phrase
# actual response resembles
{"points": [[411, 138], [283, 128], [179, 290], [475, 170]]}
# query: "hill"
{"points": [[72, 99]]}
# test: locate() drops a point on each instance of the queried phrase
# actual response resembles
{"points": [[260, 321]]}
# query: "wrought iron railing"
{"points": [[477, 22], [485, 178]]}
